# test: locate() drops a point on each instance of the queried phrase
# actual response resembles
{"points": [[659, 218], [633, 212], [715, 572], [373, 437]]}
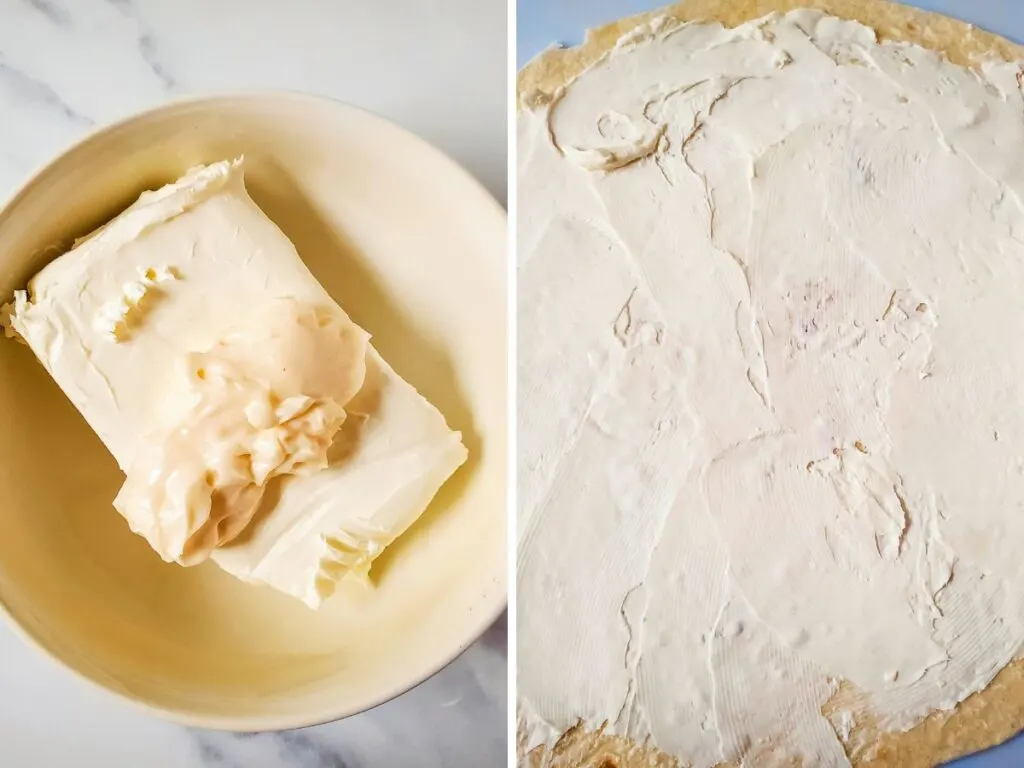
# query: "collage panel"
{"points": [[768, 428], [537, 383], [253, 387]]}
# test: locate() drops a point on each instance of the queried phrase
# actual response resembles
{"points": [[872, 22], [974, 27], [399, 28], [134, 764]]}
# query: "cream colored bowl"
{"points": [[414, 250]]}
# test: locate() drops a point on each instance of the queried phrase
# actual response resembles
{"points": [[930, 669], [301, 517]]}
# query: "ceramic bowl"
{"points": [[414, 250]]}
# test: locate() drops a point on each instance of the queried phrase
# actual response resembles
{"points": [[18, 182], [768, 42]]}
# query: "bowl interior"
{"points": [[414, 252]]}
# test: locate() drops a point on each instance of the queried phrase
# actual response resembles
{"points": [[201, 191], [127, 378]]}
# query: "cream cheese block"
{"points": [[255, 423]]}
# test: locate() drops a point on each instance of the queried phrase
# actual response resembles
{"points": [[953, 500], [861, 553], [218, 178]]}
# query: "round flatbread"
{"points": [[983, 719]]}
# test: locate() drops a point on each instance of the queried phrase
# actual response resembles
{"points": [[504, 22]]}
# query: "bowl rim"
{"points": [[485, 619]]}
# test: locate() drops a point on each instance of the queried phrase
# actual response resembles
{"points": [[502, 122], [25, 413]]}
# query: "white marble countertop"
{"points": [[435, 67]]}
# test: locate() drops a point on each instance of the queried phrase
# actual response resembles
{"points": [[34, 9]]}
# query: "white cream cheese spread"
{"points": [[197, 345], [770, 430]]}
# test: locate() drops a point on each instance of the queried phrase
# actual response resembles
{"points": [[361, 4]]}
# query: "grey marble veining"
{"points": [[456, 719], [437, 68], [52, 11], [454, 702]]}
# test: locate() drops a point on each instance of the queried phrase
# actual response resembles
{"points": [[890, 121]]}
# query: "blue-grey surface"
{"points": [[541, 23], [67, 65]]}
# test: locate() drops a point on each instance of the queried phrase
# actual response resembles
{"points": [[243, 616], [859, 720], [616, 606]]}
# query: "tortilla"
{"points": [[982, 720]]}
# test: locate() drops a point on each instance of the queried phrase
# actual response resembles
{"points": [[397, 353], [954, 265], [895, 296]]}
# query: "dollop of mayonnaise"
{"points": [[265, 401]]}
